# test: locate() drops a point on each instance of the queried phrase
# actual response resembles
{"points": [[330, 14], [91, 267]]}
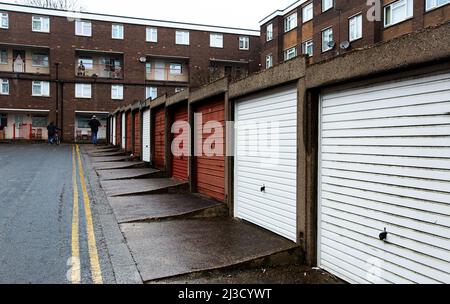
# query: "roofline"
{"points": [[282, 12], [124, 19]]}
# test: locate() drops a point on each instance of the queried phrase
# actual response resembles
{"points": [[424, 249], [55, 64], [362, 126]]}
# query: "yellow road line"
{"points": [[75, 261], [92, 244]]}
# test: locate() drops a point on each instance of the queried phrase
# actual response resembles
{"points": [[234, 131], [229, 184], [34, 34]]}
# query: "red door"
{"points": [[159, 138], [129, 130], [180, 163], [137, 134], [210, 170], [119, 129]]}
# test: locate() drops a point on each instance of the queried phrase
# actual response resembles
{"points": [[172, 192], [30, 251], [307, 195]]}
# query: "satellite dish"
{"points": [[331, 44], [345, 45], [143, 59]]}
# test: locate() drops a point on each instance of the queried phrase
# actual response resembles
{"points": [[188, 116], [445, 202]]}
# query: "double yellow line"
{"points": [[96, 271]]}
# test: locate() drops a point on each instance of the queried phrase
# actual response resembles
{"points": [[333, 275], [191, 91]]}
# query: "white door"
{"points": [[160, 70], [124, 134], [110, 140], [385, 164], [265, 171], [146, 136], [114, 129]]}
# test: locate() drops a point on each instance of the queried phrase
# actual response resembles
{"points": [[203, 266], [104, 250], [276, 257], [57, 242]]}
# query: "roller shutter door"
{"points": [[385, 164], [159, 139], [180, 163], [129, 130], [266, 181], [123, 131], [146, 136], [114, 130]]}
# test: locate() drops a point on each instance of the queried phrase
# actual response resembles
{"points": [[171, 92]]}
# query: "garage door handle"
{"points": [[384, 235], [263, 189]]}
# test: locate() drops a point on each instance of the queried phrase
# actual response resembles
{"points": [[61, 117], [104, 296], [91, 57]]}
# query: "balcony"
{"points": [[219, 69], [167, 69], [24, 60], [101, 65]]}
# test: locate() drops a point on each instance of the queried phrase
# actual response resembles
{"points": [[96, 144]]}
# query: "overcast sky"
{"points": [[233, 13]]}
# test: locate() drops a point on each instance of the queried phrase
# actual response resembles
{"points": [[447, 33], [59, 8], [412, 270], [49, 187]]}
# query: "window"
{"points": [[39, 121], [41, 24], [290, 53], [307, 12], [397, 12], [41, 88], [4, 88], [216, 40], [269, 32], [152, 34], [117, 91], [182, 37], [176, 69], [151, 92], [39, 60], [83, 28], [327, 39], [307, 48], [4, 20], [432, 4], [290, 22], [3, 56], [178, 90], [117, 31], [327, 4], [244, 43], [269, 61], [83, 90], [355, 28], [148, 68], [88, 63]]}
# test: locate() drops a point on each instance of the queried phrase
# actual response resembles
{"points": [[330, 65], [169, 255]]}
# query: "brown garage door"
{"points": [[180, 163], [137, 134], [210, 171], [129, 132], [159, 138]]}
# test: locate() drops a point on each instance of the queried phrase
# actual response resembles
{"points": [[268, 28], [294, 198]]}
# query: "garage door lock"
{"points": [[263, 188], [384, 235]]}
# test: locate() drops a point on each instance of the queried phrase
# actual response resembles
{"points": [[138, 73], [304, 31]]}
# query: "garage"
{"points": [[114, 130], [384, 182], [118, 129], [137, 133], [159, 138], [123, 131], [179, 167], [210, 170], [129, 132], [265, 181], [146, 148]]}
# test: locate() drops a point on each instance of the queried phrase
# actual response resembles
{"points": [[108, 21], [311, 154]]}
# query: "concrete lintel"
{"points": [[417, 48], [177, 98], [161, 100], [283, 73], [212, 89]]}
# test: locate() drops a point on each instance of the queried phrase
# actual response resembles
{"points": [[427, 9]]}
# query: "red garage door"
{"points": [[119, 129], [159, 138], [129, 129], [180, 163], [210, 170], [137, 134]]}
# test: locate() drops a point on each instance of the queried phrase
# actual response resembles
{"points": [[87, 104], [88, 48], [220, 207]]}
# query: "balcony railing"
{"points": [[100, 70]]}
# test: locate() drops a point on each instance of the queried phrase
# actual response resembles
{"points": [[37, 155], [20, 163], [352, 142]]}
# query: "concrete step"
{"points": [[120, 165], [115, 188], [124, 174]]}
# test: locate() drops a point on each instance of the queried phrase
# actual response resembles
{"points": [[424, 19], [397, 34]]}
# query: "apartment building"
{"points": [[65, 66], [323, 29]]}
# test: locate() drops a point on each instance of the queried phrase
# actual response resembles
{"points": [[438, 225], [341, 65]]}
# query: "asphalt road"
{"points": [[40, 234]]}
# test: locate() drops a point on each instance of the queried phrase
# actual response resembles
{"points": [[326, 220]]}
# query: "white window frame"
{"points": [[290, 22], [182, 37], [4, 82], [269, 61], [290, 53], [44, 88], [355, 24], [307, 12], [151, 92], [81, 29], [4, 20], [175, 68], [44, 22], [117, 92], [406, 5], [2, 61], [83, 90], [327, 4], [269, 32], [244, 43], [151, 34], [433, 4], [305, 47], [325, 47], [118, 29], [216, 40], [37, 64]]}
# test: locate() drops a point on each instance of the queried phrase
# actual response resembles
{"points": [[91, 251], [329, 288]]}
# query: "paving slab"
{"points": [[140, 186], [119, 165], [172, 248], [158, 206], [105, 159], [120, 174]]}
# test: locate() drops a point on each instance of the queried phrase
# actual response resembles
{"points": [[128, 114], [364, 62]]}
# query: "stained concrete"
{"points": [[120, 174], [180, 247], [120, 165], [104, 154], [140, 186], [105, 159], [160, 206]]}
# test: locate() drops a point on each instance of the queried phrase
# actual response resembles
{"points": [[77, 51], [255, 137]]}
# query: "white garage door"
{"points": [[114, 129], [266, 161], [124, 134], [146, 136], [385, 164]]}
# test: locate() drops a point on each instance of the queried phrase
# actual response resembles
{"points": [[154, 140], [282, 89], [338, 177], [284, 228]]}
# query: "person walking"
{"points": [[94, 123], [52, 129]]}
